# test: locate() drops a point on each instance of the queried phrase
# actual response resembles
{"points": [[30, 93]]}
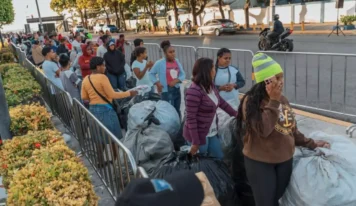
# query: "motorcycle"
{"points": [[279, 44]]}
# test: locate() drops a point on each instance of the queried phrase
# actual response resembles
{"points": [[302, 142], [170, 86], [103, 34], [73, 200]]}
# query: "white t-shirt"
{"points": [[213, 127], [101, 51], [49, 69], [145, 79]]}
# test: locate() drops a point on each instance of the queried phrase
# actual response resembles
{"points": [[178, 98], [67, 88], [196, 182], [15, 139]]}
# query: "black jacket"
{"points": [[62, 49], [278, 27], [114, 62]]}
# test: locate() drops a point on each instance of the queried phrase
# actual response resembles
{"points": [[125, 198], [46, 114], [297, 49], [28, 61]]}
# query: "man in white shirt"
{"points": [[102, 48], [50, 67], [77, 42]]}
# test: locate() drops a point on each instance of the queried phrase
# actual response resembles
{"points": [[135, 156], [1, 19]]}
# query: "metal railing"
{"points": [[113, 162], [322, 83]]}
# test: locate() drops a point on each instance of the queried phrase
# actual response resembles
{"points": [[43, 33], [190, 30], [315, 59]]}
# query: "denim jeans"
{"points": [[108, 117], [118, 81], [173, 96], [212, 148]]}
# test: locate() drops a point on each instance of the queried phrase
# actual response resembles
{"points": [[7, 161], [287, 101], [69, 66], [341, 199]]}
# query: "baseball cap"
{"points": [[182, 188]]}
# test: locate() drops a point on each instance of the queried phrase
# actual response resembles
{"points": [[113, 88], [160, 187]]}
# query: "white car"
{"points": [[79, 28], [98, 27]]}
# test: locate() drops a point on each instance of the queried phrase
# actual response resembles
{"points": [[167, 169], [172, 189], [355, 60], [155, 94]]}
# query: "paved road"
{"points": [[308, 43], [325, 82]]}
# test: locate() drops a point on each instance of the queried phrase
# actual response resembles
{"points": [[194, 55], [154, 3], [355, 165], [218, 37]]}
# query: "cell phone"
{"points": [[269, 80]]}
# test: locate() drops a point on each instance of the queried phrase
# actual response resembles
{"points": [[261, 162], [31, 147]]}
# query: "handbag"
{"points": [[114, 104]]}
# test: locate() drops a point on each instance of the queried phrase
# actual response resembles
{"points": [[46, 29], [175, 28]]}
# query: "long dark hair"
{"points": [[252, 112], [202, 73], [221, 53]]}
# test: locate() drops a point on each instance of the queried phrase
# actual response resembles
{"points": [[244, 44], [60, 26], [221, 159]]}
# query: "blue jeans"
{"points": [[118, 81], [212, 148], [173, 96], [108, 117]]}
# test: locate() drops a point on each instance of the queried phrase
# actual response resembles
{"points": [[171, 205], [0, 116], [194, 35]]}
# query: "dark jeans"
{"points": [[173, 96], [268, 181], [118, 81], [271, 37]]}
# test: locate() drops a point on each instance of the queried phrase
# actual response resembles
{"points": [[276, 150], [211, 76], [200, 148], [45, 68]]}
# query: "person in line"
{"points": [[228, 78], [50, 66], [170, 74], [99, 40], [76, 44], [120, 43], [54, 39], [94, 86], [102, 48], [62, 48], [84, 60], [141, 67], [267, 123], [137, 43], [115, 64], [70, 81], [68, 44], [37, 56], [202, 100]]}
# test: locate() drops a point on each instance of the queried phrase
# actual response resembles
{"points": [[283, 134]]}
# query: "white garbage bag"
{"points": [[161, 110], [323, 177], [225, 132]]}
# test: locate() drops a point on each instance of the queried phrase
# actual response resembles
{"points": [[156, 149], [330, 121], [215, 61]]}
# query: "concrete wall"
{"points": [[313, 12]]}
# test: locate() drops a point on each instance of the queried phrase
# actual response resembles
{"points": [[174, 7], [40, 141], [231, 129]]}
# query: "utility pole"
{"points": [[4, 115], [272, 5], [39, 17]]}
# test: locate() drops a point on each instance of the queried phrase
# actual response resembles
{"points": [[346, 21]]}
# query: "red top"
{"points": [[172, 71], [84, 61], [120, 45], [69, 45]]}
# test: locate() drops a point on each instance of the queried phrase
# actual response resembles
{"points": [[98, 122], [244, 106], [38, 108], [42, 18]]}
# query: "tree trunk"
{"points": [[81, 16], [107, 17], [116, 4], [221, 4], [247, 15], [193, 4], [4, 115], [175, 10], [122, 15], [1, 39], [152, 11], [85, 19]]}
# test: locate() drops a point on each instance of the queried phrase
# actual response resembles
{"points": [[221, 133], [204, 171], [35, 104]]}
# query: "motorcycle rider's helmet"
{"points": [[276, 17]]}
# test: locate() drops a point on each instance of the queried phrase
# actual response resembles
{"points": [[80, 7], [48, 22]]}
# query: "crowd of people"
{"points": [[94, 72]]}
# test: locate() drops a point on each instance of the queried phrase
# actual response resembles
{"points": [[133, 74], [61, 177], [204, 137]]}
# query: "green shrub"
{"points": [[347, 20], [6, 57]]}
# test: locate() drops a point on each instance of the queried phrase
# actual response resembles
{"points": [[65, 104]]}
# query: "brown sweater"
{"points": [[275, 140]]}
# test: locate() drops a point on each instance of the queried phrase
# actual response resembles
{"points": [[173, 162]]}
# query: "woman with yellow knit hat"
{"points": [[269, 133]]}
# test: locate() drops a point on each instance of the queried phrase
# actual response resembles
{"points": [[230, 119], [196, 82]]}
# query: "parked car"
{"points": [[217, 27], [97, 28], [79, 28], [111, 28]]}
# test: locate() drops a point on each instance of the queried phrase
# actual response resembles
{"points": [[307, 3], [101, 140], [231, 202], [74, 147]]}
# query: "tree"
{"points": [[247, 16], [195, 12], [221, 4], [7, 15]]}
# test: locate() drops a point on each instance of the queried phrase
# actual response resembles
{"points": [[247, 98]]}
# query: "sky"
{"points": [[24, 8]]}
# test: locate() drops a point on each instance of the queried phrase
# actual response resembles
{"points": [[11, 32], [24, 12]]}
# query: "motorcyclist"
{"points": [[278, 29]]}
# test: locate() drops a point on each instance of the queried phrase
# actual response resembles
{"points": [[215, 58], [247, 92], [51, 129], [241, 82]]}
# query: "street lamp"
{"points": [[39, 17]]}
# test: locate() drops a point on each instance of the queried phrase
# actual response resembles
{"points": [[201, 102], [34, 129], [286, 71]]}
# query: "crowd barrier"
{"points": [[113, 162], [321, 83]]}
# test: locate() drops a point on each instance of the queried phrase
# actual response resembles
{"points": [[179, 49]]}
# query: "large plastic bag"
{"points": [[323, 176], [216, 171], [226, 129], [179, 141], [149, 146], [163, 111]]}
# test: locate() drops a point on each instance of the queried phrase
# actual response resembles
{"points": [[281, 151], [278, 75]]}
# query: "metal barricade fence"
{"points": [[240, 58], [154, 51], [90, 132], [187, 57], [323, 83], [112, 161], [128, 51]]}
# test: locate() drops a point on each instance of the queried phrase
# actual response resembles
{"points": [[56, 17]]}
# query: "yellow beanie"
{"points": [[264, 67]]}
